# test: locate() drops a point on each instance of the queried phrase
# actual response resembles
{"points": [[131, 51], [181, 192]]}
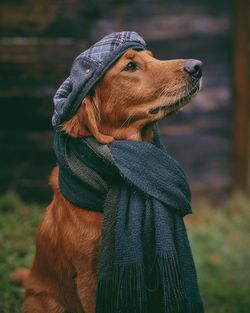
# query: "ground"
{"points": [[219, 238]]}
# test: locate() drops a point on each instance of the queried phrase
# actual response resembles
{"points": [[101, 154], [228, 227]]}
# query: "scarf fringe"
{"points": [[131, 291]]}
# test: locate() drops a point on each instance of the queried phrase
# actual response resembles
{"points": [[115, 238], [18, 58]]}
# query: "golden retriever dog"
{"points": [[137, 91]]}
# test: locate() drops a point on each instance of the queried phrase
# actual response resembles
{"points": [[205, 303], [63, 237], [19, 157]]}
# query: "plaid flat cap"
{"points": [[88, 68]]}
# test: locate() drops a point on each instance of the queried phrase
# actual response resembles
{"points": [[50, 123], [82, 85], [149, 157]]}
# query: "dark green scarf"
{"points": [[145, 264]]}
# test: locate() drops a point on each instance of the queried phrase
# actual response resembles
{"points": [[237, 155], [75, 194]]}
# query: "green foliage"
{"points": [[18, 223], [219, 238], [220, 242]]}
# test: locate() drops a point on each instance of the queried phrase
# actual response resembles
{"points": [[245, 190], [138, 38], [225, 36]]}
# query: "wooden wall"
{"points": [[242, 95], [39, 40], [248, 104]]}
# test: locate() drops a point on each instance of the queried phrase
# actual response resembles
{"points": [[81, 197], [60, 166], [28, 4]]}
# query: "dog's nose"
{"points": [[193, 68]]}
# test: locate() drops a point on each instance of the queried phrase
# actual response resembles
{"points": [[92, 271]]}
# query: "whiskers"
{"points": [[167, 98], [127, 121], [181, 95]]}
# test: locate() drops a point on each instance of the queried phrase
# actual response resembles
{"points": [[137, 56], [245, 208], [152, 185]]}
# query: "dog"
{"points": [[125, 104]]}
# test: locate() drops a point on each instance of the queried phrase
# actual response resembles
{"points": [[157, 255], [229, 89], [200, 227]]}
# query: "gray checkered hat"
{"points": [[88, 68]]}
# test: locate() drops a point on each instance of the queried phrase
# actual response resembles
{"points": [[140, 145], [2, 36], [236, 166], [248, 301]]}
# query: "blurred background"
{"points": [[210, 138]]}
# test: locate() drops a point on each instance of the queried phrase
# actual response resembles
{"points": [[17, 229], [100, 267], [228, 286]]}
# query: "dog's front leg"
{"points": [[41, 303], [86, 288]]}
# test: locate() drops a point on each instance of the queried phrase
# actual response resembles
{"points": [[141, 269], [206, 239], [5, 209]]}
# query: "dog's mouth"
{"points": [[177, 105]]}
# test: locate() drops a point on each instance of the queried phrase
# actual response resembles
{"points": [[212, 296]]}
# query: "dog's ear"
{"points": [[86, 122]]}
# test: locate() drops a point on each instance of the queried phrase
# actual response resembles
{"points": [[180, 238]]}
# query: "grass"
{"points": [[18, 223], [219, 238], [220, 242]]}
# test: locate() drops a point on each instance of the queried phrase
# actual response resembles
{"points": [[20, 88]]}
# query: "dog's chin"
{"points": [[171, 108]]}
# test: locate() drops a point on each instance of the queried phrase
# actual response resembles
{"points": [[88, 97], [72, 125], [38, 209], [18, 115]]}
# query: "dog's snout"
{"points": [[193, 67]]}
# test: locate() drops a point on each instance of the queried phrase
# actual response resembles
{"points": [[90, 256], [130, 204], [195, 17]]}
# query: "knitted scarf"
{"points": [[145, 264]]}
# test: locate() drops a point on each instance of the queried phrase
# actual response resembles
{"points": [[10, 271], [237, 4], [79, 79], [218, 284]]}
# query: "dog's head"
{"points": [[133, 94]]}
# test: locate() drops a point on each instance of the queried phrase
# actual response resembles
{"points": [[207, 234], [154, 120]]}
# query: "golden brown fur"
{"points": [[63, 275]]}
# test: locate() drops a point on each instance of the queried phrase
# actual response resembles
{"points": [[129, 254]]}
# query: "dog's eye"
{"points": [[131, 66]]}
